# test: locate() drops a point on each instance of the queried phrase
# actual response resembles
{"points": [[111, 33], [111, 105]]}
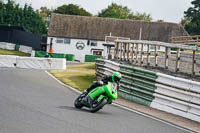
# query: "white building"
{"points": [[81, 35], [78, 47]]}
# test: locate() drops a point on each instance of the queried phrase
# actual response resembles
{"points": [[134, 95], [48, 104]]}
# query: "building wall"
{"points": [[72, 47]]}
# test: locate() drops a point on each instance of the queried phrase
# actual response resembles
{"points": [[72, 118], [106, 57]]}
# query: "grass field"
{"points": [[11, 52], [78, 76]]}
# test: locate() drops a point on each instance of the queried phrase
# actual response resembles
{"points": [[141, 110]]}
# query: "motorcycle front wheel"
{"points": [[99, 105]]}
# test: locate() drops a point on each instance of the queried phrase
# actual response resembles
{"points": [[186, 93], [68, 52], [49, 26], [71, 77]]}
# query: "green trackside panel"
{"points": [[143, 84], [126, 80], [56, 55], [70, 57], [137, 92], [17, 46], [91, 58], [100, 60], [134, 99], [144, 73], [138, 82], [40, 53], [142, 76], [126, 69], [150, 89]]}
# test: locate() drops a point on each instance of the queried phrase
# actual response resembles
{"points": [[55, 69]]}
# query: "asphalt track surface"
{"points": [[33, 102]]}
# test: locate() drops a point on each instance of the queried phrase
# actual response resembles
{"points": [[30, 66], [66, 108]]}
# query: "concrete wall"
{"points": [[32, 62]]}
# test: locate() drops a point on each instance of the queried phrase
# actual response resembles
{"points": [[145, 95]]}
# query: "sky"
{"points": [[167, 10]]}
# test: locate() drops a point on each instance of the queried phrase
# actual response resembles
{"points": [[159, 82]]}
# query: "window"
{"points": [[92, 43], [63, 40], [59, 40], [67, 41], [99, 53]]}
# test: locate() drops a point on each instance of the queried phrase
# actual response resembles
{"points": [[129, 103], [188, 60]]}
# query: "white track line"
{"points": [[127, 108]]}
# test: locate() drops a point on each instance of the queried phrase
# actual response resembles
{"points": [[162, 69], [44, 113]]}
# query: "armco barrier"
{"points": [[141, 84], [32, 62], [160, 91], [91, 58]]}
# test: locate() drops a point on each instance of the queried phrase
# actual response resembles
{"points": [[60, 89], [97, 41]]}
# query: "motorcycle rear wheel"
{"points": [[77, 103]]}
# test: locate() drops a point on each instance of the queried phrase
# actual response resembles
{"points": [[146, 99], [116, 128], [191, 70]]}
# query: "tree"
{"points": [[115, 11], [45, 12], [160, 20], [140, 16], [2, 8], [72, 9], [184, 21], [123, 12], [12, 14], [192, 15]]}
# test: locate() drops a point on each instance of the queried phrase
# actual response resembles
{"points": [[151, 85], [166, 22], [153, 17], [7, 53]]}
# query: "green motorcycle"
{"points": [[98, 97]]}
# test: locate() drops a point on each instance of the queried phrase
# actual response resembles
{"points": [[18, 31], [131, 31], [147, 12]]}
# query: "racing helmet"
{"points": [[116, 77]]}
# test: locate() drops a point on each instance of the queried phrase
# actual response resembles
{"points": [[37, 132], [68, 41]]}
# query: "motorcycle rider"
{"points": [[115, 77]]}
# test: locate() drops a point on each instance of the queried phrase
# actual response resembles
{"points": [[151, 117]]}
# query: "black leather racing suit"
{"points": [[103, 81]]}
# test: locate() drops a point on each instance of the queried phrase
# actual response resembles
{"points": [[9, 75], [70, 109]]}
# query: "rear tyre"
{"points": [[77, 103], [98, 106]]}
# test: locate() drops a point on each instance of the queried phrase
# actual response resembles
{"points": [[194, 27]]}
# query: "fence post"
{"points": [[136, 53], [166, 57], [193, 62], [148, 54], [141, 54], [133, 52], [121, 51], [128, 51], [124, 52], [177, 60], [156, 56], [116, 50]]}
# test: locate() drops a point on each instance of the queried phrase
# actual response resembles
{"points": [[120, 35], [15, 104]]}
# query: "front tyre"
{"points": [[98, 106]]}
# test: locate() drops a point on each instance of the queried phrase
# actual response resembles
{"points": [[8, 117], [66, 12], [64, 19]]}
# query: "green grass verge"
{"points": [[78, 76], [11, 52], [190, 51]]}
